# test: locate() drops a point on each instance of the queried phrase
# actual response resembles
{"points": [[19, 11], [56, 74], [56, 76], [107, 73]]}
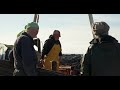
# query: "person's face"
{"points": [[34, 32], [98, 29], [57, 36]]}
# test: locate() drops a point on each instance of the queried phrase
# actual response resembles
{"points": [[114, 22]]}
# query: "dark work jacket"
{"points": [[25, 58], [102, 57], [49, 43]]}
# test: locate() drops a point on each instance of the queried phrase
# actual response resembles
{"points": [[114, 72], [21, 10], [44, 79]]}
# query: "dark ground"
{"points": [[73, 60]]}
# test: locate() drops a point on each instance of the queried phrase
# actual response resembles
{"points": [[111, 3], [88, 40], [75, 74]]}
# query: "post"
{"points": [[36, 19], [39, 45], [91, 21]]}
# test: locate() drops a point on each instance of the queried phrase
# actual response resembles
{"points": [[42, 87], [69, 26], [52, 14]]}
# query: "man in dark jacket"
{"points": [[52, 50], [103, 55], [25, 58]]}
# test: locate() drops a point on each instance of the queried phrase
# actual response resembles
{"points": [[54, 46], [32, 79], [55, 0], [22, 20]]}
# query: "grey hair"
{"points": [[104, 24]]}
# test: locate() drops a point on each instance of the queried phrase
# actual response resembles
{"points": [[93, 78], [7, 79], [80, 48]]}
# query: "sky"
{"points": [[75, 28]]}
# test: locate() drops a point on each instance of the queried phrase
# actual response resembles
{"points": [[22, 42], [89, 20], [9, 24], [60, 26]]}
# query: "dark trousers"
{"points": [[19, 73]]}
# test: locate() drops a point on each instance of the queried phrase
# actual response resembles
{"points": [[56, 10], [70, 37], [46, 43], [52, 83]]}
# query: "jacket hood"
{"points": [[104, 39]]}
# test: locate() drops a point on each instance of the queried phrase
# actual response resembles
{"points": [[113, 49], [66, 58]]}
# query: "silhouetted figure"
{"points": [[103, 55]]}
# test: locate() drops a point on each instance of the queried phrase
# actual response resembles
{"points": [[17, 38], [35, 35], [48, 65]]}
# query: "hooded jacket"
{"points": [[25, 58], [49, 43], [102, 57]]}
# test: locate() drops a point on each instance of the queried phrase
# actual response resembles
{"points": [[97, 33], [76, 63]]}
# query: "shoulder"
{"points": [[23, 38], [93, 42], [49, 41], [59, 41]]}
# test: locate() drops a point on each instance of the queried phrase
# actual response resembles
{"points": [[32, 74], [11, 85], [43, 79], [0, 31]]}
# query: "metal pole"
{"points": [[36, 19], [91, 22]]}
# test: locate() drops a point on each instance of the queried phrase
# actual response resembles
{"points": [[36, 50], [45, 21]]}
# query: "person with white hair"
{"points": [[25, 58], [103, 54]]}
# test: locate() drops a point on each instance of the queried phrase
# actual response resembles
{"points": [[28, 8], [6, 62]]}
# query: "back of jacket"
{"points": [[102, 58]]}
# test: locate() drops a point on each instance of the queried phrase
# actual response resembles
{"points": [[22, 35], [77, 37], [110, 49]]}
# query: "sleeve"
{"points": [[86, 64], [60, 54], [28, 57], [46, 48]]}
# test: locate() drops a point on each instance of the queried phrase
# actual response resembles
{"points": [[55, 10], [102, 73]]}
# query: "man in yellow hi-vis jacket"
{"points": [[52, 51]]}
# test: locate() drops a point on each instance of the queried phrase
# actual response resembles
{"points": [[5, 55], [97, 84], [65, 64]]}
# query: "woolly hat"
{"points": [[32, 25]]}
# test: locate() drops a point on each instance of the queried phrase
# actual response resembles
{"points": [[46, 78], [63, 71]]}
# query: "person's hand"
{"points": [[41, 63]]}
